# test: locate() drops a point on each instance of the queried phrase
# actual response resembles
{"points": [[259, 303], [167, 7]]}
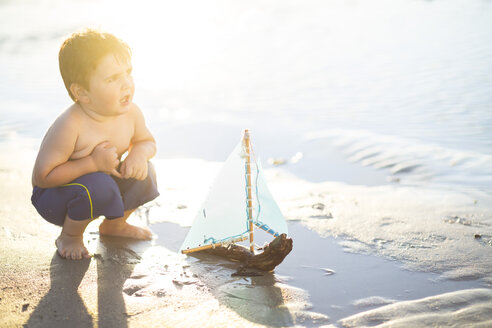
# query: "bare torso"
{"points": [[76, 133], [118, 131]]}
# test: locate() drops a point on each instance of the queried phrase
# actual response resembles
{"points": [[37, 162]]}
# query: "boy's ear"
{"points": [[80, 93]]}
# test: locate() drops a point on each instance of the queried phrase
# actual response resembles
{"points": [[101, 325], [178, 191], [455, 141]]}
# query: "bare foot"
{"points": [[124, 229], [71, 247]]}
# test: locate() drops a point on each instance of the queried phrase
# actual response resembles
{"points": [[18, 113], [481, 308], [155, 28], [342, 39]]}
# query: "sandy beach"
{"points": [[372, 120], [336, 275]]}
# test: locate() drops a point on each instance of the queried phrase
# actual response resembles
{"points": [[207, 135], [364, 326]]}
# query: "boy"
{"points": [[78, 175]]}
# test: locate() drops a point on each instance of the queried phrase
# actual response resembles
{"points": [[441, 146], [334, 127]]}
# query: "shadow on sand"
{"points": [[256, 299], [63, 306]]}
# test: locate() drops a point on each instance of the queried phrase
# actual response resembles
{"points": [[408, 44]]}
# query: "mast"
{"points": [[247, 144]]}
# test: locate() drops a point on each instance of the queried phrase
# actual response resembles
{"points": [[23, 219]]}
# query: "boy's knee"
{"points": [[104, 194], [149, 185], [151, 171], [138, 192]]}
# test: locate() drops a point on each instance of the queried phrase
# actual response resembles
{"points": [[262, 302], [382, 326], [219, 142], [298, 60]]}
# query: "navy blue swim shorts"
{"points": [[93, 195]]}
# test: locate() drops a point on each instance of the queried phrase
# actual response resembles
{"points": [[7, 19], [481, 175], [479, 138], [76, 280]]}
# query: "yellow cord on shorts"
{"points": [[87, 190]]}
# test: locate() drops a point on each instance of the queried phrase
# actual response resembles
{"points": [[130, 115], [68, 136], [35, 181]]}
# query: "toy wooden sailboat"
{"points": [[238, 201]]}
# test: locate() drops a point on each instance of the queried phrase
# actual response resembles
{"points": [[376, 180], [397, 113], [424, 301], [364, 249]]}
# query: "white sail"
{"points": [[270, 217], [223, 216]]}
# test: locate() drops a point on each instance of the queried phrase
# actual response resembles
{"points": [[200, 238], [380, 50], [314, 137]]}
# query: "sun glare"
{"points": [[172, 42]]}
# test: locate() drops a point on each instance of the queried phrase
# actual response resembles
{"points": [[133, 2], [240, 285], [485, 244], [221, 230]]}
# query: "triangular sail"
{"points": [[270, 217], [223, 217]]}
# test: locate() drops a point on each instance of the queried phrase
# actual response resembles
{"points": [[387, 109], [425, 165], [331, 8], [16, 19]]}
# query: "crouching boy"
{"points": [[78, 174]]}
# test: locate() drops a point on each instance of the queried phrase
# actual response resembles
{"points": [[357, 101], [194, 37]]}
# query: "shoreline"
{"points": [[330, 278]]}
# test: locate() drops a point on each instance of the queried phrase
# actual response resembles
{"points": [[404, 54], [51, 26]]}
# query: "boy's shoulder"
{"points": [[75, 118], [134, 113], [70, 118], [134, 110]]}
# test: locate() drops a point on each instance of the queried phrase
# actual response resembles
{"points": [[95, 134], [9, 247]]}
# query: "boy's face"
{"points": [[111, 86]]}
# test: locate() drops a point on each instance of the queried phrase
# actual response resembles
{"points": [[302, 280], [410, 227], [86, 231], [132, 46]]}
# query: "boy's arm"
{"points": [[53, 166], [142, 148]]}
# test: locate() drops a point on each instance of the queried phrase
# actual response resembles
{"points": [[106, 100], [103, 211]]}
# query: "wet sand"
{"points": [[339, 284], [147, 283]]}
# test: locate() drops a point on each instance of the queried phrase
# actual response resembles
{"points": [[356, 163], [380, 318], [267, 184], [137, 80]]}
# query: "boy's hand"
{"points": [[134, 167], [106, 159]]}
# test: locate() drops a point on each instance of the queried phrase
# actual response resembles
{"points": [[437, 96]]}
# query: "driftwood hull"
{"points": [[273, 254]]}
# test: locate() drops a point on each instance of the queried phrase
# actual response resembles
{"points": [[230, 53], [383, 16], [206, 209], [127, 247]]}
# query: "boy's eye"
{"points": [[118, 76]]}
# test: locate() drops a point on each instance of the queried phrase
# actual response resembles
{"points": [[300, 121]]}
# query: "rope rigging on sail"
{"points": [[219, 221]]}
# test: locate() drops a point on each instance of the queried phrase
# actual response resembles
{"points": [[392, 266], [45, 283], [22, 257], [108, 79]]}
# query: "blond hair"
{"points": [[81, 53]]}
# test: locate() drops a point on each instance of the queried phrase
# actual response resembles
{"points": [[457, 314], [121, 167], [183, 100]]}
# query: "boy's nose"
{"points": [[127, 83]]}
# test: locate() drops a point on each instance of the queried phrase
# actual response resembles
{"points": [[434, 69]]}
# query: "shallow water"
{"points": [[408, 81], [359, 282], [339, 284]]}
